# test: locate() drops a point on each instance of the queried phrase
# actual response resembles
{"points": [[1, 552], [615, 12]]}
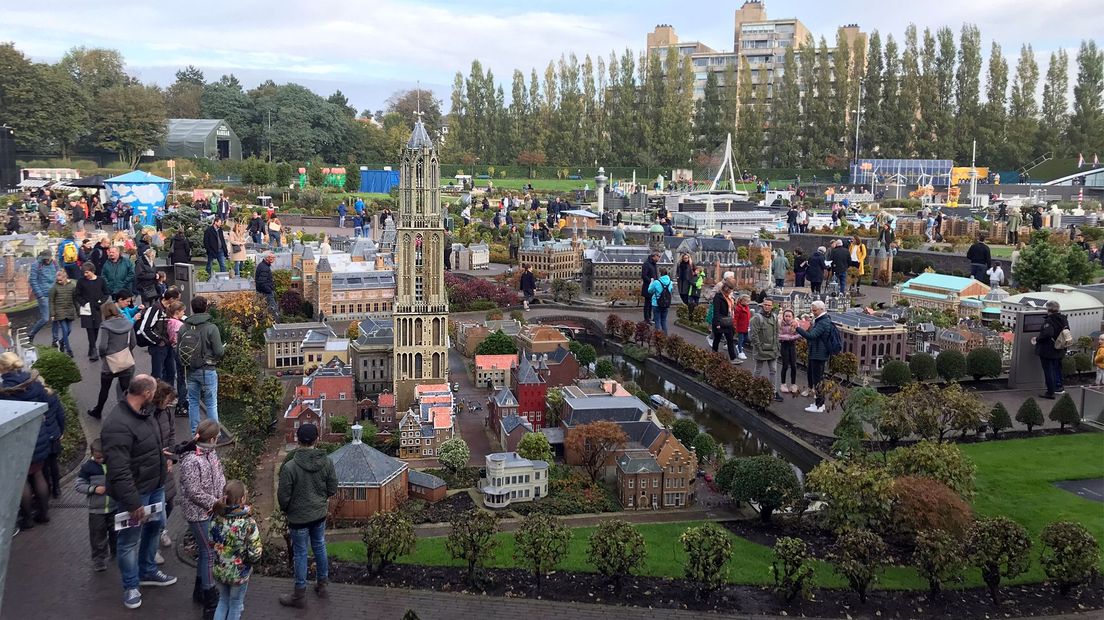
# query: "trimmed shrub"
{"points": [[999, 419], [57, 369], [1001, 548], [983, 362], [950, 365], [1082, 362], [708, 550], [616, 549], [922, 366], [858, 495], [925, 504], [791, 568], [857, 556], [897, 373], [1065, 412], [944, 462], [685, 430], [938, 557], [1069, 555], [1029, 414], [766, 480]]}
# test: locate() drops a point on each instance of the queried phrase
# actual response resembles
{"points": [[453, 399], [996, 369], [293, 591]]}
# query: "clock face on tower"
{"points": [[421, 303]]}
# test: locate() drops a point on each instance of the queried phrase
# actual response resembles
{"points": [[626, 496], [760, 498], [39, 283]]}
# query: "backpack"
{"points": [[149, 330], [664, 300], [1063, 340], [835, 339], [69, 254], [192, 347], [709, 314]]}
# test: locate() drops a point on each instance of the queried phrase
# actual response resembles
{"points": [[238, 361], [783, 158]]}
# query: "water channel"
{"points": [[736, 440]]}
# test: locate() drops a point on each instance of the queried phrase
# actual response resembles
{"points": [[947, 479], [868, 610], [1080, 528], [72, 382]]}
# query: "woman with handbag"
{"points": [[275, 229], [116, 349], [722, 320], [90, 294], [237, 247]]}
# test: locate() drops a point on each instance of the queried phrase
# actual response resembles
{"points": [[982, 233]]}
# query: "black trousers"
{"points": [[101, 535], [106, 378], [730, 339], [816, 375], [814, 287], [789, 361]]}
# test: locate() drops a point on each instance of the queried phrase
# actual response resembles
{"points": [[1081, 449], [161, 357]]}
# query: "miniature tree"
{"points": [[922, 503], [471, 539], [983, 362], [708, 549], [844, 365], [1029, 414], [387, 536], [766, 480], [922, 366], [410, 615], [1001, 548], [857, 556], [604, 368], [950, 365], [57, 369], [792, 567], [593, 444], [1070, 554], [685, 430], [939, 558], [999, 419], [665, 416], [497, 343], [896, 372], [616, 550], [705, 447], [540, 543], [858, 494], [535, 447], [454, 454], [1065, 412], [944, 462]]}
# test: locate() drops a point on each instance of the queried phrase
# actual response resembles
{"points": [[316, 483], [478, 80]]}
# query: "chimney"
{"points": [[356, 432]]}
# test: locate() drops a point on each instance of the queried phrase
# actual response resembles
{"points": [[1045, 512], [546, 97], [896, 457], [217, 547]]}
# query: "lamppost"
{"points": [[600, 186]]}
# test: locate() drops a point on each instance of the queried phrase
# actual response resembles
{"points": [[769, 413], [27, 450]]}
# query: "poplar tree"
{"points": [[872, 128], [535, 136], [1055, 118], [932, 116], [992, 138], [748, 142], [806, 66], [785, 134], [708, 116], [821, 126], [518, 115], [1023, 112], [589, 128], [967, 89], [842, 101], [653, 95], [908, 108], [1086, 124]]}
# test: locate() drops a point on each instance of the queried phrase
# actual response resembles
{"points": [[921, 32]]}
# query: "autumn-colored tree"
{"points": [[594, 443], [617, 295], [353, 331]]}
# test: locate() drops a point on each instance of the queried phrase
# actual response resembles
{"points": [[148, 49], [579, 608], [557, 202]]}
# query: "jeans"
{"points": [[256, 235], [341, 221], [162, 363], [43, 315], [814, 287], [772, 371], [659, 314], [202, 383], [1052, 373], [741, 341], [106, 377], [816, 375], [273, 307], [231, 601], [842, 279], [222, 265], [238, 264], [137, 546], [205, 561], [315, 535], [181, 382], [62, 329], [977, 272], [356, 231], [274, 238]]}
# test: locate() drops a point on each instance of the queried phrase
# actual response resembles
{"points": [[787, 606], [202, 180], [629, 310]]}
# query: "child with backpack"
{"points": [[236, 546], [661, 291], [175, 312]]}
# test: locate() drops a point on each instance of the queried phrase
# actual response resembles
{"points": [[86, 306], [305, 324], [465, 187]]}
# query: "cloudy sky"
{"points": [[369, 49]]}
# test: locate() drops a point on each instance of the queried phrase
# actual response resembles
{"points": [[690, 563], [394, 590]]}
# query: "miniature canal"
{"points": [[737, 441]]}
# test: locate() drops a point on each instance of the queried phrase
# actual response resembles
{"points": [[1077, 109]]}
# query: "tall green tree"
{"points": [[183, 99], [822, 126], [785, 135], [748, 141], [843, 100], [407, 103], [992, 136], [908, 96], [1086, 125], [518, 114], [565, 144], [934, 118], [590, 126], [130, 119], [1052, 129], [678, 111], [227, 100], [730, 99], [94, 69], [1023, 110], [457, 146], [709, 115], [653, 95], [810, 134], [41, 103], [624, 130], [872, 124], [967, 92], [535, 136]]}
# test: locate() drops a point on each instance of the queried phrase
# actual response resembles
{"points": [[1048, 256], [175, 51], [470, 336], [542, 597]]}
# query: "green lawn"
{"points": [[553, 185], [1013, 479]]}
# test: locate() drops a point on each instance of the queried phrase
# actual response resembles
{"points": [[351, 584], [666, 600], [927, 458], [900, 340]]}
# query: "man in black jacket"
{"points": [[980, 259], [214, 244], [841, 260], [1037, 219], [528, 284], [648, 271], [1051, 356], [132, 448], [265, 284]]}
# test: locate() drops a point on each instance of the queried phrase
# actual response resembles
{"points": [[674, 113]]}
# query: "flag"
{"points": [[1080, 160]]}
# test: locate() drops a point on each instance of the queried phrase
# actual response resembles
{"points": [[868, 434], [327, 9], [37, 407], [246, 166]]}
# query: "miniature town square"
{"points": [[785, 328]]}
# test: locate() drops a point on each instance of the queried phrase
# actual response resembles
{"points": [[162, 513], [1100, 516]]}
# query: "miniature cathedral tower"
{"points": [[421, 304]]}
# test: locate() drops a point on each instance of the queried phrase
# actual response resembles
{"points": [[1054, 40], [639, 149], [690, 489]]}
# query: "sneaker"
{"points": [[157, 579], [165, 540], [814, 409], [793, 388], [778, 398], [805, 392], [709, 341], [1059, 392], [132, 599], [158, 558], [742, 356], [785, 389], [99, 565]]}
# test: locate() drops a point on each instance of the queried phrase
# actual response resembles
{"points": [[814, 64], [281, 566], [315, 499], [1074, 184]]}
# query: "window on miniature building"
{"points": [[632, 482], [418, 250], [361, 493], [655, 483]]}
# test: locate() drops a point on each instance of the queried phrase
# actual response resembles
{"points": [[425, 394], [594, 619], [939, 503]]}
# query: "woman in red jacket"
{"points": [[741, 319]]}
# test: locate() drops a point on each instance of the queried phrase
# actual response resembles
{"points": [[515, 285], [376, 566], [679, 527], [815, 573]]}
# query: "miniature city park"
{"points": [[566, 449]]}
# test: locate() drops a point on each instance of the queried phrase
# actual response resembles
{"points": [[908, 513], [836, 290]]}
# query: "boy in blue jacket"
{"points": [[92, 481]]}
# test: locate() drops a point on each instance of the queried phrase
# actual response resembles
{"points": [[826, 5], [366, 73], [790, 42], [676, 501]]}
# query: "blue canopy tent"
{"points": [[144, 192], [378, 181]]}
